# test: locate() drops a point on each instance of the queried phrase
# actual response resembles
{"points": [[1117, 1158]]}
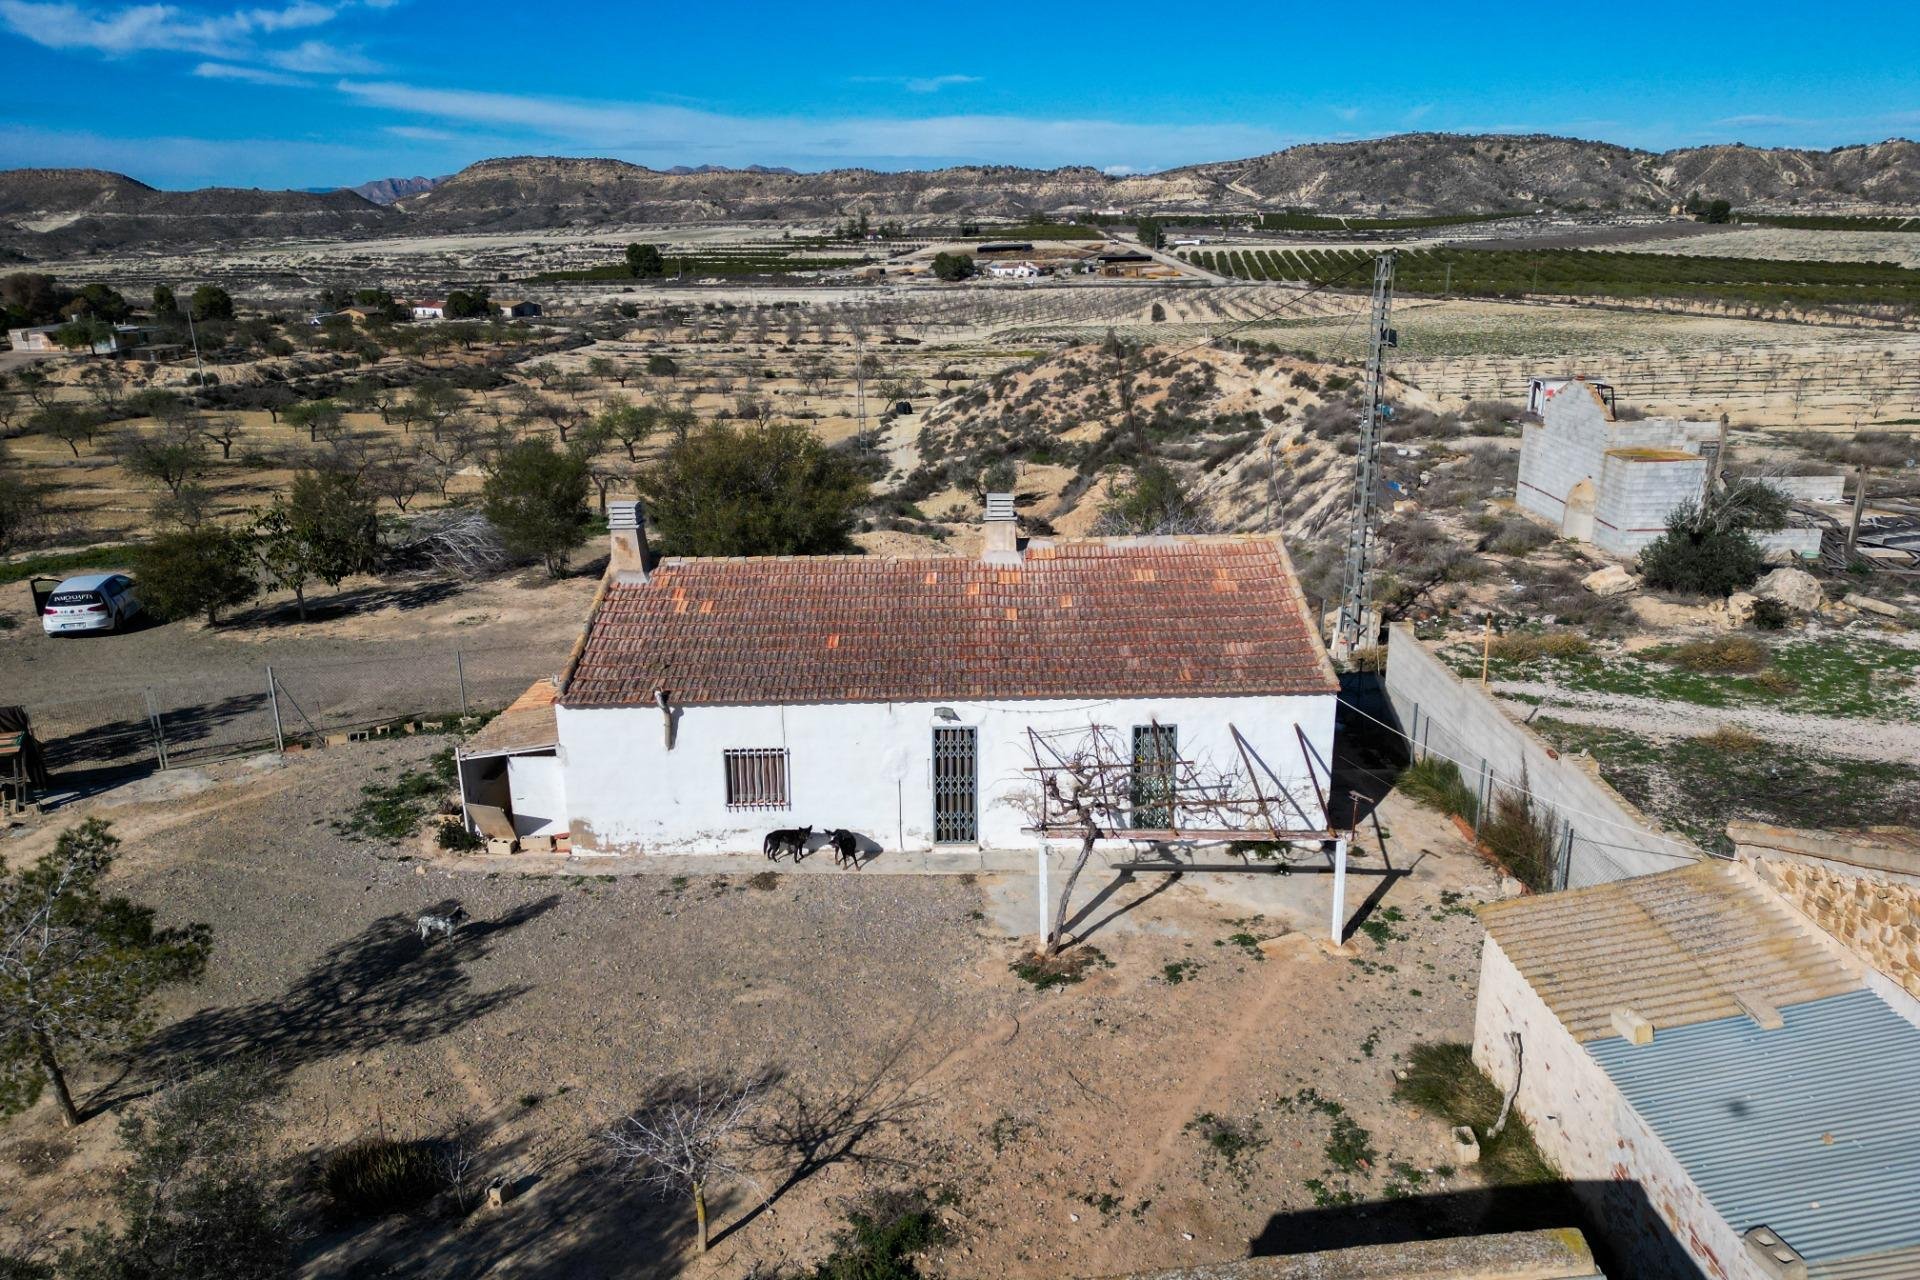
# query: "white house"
{"points": [[1014, 270], [712, 700], [430, 310], [1726, 1087], [1613, 482]]}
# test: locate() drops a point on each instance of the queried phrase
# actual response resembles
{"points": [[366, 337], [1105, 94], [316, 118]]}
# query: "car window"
{"points": [[71, 598]]}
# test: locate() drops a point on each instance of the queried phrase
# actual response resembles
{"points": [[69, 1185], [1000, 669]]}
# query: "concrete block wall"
{"points": [[1809, 488], [1790, 544], [1440, 713], [1637, 495]]}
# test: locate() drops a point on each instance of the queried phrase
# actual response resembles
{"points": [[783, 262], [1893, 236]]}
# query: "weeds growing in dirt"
{"points": [[1722, 655], [1436, 783], [1442, 1080]]}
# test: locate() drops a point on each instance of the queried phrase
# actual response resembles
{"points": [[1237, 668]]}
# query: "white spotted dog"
{"points": [[429, 926]]}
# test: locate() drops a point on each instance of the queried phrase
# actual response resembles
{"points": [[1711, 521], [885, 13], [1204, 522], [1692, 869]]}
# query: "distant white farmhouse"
{"points": [[1014, 270], [430, 310], [1612, 482], [712, 700]]}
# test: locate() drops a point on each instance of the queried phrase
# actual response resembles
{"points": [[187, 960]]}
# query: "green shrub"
{"points": [[1769, 614], [1711, 563], [376, 1177], [881, 1240], [454, 836], [1523, 838], [1442, 1080], [1437, 783]]}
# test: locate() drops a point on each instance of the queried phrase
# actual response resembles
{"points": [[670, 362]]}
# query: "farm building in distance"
{"points": [[39, 339], [711, 700], [1727, 1086], [1612, 482], [516, 307]]}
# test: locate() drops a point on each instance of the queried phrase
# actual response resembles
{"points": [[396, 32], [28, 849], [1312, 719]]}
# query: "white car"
{"points": [[90, 602]]}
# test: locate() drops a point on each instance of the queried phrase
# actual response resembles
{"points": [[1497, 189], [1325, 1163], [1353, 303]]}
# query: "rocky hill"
{"points": [[53, 211], [384, 191], [533, 191], [46, 212]]}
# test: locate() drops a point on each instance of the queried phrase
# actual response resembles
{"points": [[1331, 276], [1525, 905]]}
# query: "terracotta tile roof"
{"points": [[527, 724], [1100, 617], [1673, 947]]}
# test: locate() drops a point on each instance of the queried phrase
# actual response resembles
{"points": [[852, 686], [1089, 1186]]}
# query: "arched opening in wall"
{"points": [[1577, 522]]}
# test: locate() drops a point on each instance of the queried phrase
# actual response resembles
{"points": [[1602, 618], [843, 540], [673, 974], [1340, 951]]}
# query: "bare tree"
{"points": [[689, 1138], [222, 429]]}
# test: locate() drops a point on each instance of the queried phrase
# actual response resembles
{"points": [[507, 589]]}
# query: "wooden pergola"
{"points": [[1093, 792]]}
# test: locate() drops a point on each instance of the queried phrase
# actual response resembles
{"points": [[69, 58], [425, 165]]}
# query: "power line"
{"points": [[1294, 301]]}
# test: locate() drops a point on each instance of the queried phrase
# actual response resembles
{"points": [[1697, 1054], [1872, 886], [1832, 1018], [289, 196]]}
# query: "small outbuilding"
{"points": [[1716, 1078]]}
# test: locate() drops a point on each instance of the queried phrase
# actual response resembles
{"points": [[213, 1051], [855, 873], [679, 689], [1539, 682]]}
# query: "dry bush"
{"points": [[1722, 655], [1776, 682], [1531, 646], [1731, 739]]}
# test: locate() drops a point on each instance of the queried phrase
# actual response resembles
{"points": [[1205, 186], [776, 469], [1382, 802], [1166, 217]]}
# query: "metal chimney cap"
{"points": [[623, 515], [1000, 506]]}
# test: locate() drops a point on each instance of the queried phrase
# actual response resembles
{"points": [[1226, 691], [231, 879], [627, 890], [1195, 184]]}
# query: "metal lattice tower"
{"points": [[1357, 602]]}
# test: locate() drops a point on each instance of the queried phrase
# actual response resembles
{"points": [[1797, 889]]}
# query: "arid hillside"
{"points": [[47, 212]]}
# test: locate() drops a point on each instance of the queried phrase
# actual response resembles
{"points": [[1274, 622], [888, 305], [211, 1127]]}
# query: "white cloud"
{"points": [[416, 133], [1416, 114], [1349, 114], [662, 134], [251, 75], [919, 84], [235, 36]]}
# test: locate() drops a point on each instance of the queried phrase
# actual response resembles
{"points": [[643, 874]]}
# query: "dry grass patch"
{"points": [[1731, 739], [1531, 646], [1722, 655]]}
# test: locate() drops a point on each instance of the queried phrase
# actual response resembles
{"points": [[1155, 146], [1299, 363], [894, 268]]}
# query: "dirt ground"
{"points": [[1059, 1125]]}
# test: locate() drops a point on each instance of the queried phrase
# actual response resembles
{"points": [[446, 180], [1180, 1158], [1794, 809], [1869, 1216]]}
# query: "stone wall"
{"points": [[1638, 494], [1878, 921]]}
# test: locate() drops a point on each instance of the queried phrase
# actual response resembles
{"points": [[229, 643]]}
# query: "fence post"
{"points": [[1480, 806], [159, 730], [460, 672], [273, 697]]}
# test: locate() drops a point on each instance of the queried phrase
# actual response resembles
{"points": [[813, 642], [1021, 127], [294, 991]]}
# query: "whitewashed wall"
{"points": [[1635, 1191], [868, 766], [539, 796]]}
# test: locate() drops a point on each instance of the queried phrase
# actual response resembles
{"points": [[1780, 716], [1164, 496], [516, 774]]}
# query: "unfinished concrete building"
{"points": [[1612, 482]]}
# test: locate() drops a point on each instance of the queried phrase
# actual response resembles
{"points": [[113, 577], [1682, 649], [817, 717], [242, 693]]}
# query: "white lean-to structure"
{"points": [[913, 701]]}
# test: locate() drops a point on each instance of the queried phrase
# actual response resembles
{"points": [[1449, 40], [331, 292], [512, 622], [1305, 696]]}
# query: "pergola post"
{"points": [[1040, 895], [1339, 891]]}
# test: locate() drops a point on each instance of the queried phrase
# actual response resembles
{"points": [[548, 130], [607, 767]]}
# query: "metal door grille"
{"points": [[1155, 751], [956, 792]]}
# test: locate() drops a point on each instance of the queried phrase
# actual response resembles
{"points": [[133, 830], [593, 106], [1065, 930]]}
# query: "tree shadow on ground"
{"points": [[382, 987], [130, 740], [325, 607]]}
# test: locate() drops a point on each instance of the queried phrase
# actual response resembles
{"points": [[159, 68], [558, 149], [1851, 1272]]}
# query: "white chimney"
{"points": [[629, 556], [1002, 528]]}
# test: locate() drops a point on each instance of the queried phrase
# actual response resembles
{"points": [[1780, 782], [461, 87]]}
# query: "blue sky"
{"points": [[321, 92]]}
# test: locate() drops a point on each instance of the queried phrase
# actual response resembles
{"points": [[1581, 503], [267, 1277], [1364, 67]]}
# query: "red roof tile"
{"points": [[1116, 618]]}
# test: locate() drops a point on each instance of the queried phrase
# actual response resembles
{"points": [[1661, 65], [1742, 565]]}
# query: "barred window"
{"points": [[757, 778]]}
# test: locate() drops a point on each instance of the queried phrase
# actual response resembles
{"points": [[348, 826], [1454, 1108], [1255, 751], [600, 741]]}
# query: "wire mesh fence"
{"points": [[267, 706]]}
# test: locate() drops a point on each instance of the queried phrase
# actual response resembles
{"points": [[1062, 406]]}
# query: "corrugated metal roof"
{"points": [[1674, 947], [1812, 1129]]}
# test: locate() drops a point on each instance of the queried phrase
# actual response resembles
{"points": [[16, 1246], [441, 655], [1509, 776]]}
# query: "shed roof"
{"points": [[1675, 948], [528, 724], [1808, 1129], [1124, 617]]}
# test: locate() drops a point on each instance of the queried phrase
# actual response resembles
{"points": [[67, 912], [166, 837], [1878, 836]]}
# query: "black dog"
{"points": [[846, 848], [792, 839]]}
